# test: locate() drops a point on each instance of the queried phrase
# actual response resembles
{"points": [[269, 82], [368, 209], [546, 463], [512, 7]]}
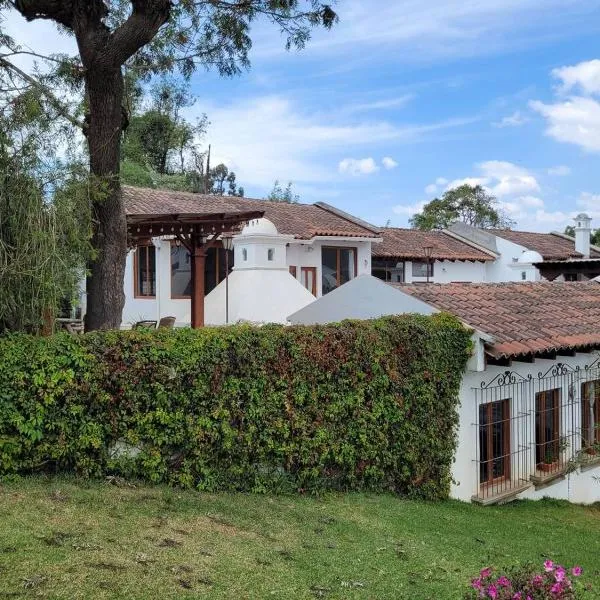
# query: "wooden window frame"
{"points": [[293, 271], [337, 261], [303, 272], [136, 280], [555, 441], [428, 267], [586, 442], [506, 457]]}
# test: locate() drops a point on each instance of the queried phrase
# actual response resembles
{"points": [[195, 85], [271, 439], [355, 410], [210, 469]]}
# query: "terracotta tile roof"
{"points": [[551, 246], [303, 221], [409, 244], [522, 317]]}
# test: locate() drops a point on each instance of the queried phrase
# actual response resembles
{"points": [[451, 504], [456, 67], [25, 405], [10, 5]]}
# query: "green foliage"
{"points": [[283, 194], [594, 238], [467, 203], [356, 405]]}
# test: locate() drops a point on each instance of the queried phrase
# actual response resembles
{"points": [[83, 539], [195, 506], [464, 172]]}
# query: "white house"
{"points": [[324, 248], [530, 397], [465, 253]]}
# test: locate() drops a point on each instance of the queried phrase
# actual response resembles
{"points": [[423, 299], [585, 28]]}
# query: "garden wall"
{"points": [[357, 405]]}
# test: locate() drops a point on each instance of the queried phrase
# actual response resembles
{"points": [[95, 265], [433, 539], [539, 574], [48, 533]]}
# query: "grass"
{"points": [[64, 538]]}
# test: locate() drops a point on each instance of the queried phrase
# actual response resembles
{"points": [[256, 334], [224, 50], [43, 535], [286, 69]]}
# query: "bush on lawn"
{"points": [[357, 405]]}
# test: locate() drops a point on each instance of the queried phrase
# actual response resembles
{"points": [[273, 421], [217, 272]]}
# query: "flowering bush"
{"points": [[552, 582]]}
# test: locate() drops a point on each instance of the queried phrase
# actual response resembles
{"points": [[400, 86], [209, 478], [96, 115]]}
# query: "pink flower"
{"points": [[492, 591], [537, 581], [518, 596], [503, 581], [548, 566], [476, 583], [576, 571], [486, 572], [556, 588], [560, 574]]}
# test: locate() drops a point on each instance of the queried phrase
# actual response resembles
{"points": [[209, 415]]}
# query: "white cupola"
{"points": [[260, 287], [583, 234]]}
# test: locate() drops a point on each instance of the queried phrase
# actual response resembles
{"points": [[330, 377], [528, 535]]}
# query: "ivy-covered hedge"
{"points": [[357, 405]]}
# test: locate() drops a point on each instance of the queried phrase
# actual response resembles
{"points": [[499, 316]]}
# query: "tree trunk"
{"points": [[105, 295]]}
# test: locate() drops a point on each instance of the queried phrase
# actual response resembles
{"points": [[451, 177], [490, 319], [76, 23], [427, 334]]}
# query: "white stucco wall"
{"points": [[365, 297], [446, 271], [578, 487], [504, 268]]}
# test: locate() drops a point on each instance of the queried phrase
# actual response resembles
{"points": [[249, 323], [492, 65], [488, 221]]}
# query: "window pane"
{"points": [[347, 265], [210, 270], [309, 279], [146, 271], [181, 272], [494, 441], [329, 269], [546, 427], [419, 269], [388, 270]]}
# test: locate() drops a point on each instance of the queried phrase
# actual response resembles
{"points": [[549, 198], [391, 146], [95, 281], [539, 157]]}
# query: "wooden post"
{"points": [[198, 257]]}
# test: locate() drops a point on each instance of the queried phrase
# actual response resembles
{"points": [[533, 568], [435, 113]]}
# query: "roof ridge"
{"points": [[347, 216]]}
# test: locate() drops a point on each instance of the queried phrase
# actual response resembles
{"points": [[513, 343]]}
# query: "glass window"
{"points": [[388, 270], [338, 267], [244, 254], [419, 269], [547, 437], [181, 272], [309, 279], [494, 441], [590, 413], [145, 272], [270, 253]]}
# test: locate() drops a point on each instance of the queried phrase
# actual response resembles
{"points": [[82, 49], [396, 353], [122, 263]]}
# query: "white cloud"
{"points": [[389, 163], [408, 210], [575, 121], [559, 171], [514, 120], [398, 102], [271, 137], [508, 179], [584, 76], [431, 189], [441, 181], [531, 201], [472, 181], [358, 166]]}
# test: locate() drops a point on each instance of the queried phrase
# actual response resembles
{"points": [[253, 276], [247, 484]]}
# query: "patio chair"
{"points": [[146, 324], [166, 323]]}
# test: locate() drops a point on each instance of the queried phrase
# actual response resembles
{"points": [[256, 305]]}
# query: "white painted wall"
{"points": [[365, 297], [505, 267], [446, 271], [578, 487]]}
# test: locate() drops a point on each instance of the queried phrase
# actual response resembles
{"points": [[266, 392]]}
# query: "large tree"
{"points": [[148, 36], [469, 204]]}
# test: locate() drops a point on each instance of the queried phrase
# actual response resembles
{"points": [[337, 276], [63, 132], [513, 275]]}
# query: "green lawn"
{"points": [[62, 538]]}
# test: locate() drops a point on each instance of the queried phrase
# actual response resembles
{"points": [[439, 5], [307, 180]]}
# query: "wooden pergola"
{"points": [[197, 232], [573, 269]]}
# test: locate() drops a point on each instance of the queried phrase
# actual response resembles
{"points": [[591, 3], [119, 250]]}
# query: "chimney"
{"points": [[583, 232]]}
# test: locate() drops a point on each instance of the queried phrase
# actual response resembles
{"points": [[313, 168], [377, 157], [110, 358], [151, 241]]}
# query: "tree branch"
{"points": [[140, 28], [60, 11], [60, 108]]}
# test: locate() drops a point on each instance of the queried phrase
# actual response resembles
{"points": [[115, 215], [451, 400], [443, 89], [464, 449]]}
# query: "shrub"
{"points": [[357, 405], [529, 582]]}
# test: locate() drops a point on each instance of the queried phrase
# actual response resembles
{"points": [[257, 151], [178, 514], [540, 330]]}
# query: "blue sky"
{"points": [[403, 99]]}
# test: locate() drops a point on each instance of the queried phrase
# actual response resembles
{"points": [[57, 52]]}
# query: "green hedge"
{"points": [[356, 405]]}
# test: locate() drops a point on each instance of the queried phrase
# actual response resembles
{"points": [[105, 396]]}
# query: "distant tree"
{"points": [[469, 204], [218, 177], [283, 194]]}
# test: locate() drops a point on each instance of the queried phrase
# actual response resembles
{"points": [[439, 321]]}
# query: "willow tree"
{"points": [[44, 217], [148, 36]]}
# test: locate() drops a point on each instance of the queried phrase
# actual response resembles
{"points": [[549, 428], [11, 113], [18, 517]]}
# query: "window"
{"points": [[181, 270], [388, 270], [271, 254], [309, 279], [523, 276], [338, 267], [590, 413], [293, 271], [144, 266], [419, 269], [547, 435], [244, 254], [494, 441]]}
